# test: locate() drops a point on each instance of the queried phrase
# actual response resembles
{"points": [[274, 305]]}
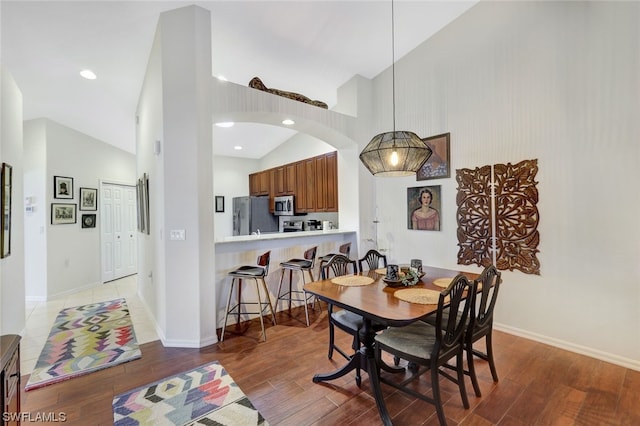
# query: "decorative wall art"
{"points": [[143, 204], [219, 204], [88, 199], [423, 208], [63, 213], [88, 220], [63, 187], [5, 210], [437, 166], [515, 217]]}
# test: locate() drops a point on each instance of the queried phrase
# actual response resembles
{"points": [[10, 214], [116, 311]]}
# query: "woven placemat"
{"points": [[422, 296], [381, 271], [443, 282], [352, 280]]}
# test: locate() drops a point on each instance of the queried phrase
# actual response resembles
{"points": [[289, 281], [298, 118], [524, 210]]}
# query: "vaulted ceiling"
{"points": [[308, 47]]}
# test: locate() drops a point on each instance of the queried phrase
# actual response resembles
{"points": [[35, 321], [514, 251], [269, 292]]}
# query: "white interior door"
{"points": [[119, 239]]}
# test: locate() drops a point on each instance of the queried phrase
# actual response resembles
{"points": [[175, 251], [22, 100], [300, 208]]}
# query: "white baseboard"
{"points": [[583, 350]]}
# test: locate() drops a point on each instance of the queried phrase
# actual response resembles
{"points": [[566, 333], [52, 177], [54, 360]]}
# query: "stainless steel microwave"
{"points": [[283, 206]]}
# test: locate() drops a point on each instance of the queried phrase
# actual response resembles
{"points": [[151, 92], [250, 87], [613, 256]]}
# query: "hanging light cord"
{"points": [[393, 71]]}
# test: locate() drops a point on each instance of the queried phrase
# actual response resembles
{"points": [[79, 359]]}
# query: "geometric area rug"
{"points": [[206, 395], [85, 339]]}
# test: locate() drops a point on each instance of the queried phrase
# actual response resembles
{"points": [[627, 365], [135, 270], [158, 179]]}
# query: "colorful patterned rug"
{"points": [[205, 395], [84, 339]]}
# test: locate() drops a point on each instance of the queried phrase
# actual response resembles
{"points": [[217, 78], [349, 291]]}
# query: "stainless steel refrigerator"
{"points": [[251, 214]]}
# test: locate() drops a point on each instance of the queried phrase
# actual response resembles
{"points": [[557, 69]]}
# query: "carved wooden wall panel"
{"points": [[507, 201]]}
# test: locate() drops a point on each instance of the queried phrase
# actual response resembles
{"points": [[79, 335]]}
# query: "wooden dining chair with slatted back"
{"points": [[372, 259], [349, 322], [480, 323], [430, 347]]}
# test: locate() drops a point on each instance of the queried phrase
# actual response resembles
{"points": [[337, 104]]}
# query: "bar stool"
{"points": [[301, 265], [344, 249], [256, 273]]}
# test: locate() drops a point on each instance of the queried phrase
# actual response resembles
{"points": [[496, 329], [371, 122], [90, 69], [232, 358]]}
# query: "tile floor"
{"points": [[40, 316]]}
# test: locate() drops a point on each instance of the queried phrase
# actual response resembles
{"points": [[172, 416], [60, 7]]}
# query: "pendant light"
{"points": [[396, 153]]}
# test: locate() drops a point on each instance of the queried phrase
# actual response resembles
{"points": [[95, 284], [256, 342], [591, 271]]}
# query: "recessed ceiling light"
{"points": [[225, 124], [237, 147], [222, 78], [288, 122], [88, 74]]}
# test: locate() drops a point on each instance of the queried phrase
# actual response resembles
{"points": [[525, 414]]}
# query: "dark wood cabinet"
{"points": [[290, 179], [10, 378], [331, 179], [313, 182], [259, 183]]}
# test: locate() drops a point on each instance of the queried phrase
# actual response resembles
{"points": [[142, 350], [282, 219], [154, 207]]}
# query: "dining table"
{"points": [[377, 303]]}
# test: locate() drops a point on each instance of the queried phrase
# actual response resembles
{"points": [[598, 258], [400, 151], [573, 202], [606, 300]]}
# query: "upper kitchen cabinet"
{"points": [[285, 179], [313, 182], [260, 183], [326, 182]]}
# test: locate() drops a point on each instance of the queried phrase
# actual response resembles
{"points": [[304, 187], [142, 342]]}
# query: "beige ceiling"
{"points": [[308, 47]]}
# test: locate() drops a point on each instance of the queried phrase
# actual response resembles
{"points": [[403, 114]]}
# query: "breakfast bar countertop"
{"points": [[279, 235]]}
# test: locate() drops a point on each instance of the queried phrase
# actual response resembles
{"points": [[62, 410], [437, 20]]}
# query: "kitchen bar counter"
{"points": [[279, 235], [232, 252]]}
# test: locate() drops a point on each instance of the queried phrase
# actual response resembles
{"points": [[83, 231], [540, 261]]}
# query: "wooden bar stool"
{"points": [[256, 273], [344, 249], [301, 265]]}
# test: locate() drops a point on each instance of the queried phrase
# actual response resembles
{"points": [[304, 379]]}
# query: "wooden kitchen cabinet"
{"points": [[290, 179], [313, 182], [327, 182], [259, 183], [331, 193], [321, 183], [10, 377]]}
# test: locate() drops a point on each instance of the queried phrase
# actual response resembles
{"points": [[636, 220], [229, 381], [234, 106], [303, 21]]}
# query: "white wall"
{"points": [[558, 82], [12, 315], [231, 180], [71, 254], [175, 108]]}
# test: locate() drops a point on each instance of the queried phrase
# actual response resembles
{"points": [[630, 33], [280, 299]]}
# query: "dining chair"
{"points": [[256, 273], [480, 323], [302, 265], [344, 249], [372, 258], [430, 347], [349, 322]]}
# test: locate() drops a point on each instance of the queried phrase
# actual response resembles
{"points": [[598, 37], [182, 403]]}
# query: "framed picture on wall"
{"points": [[423, 208], [88, 220], [5, 210], [63, 213], [219, 204], [437, 166], [88, 199], [62, 187]]}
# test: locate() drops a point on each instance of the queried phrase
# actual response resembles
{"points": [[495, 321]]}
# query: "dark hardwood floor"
{"points": [[539, 384]]}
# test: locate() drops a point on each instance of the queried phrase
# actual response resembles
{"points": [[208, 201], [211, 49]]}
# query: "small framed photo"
{"points": [[63, 213], [88, 199], [219, 204], [5, 210], [62, 187], [88, 220], [437, 166]]}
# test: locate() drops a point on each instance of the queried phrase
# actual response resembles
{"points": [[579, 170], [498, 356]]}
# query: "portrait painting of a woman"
{"points": [[423, 205]]}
